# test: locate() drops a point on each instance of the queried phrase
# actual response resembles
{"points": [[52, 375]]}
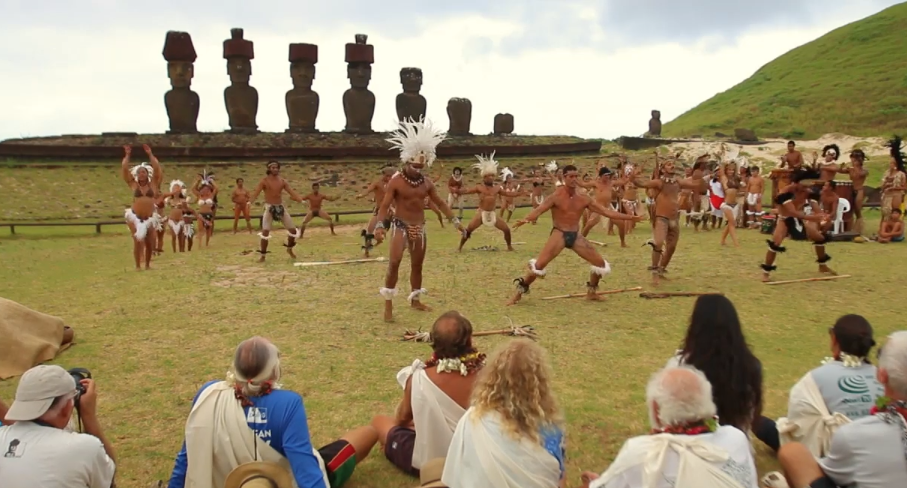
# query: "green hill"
{"points": [[852, 80]]}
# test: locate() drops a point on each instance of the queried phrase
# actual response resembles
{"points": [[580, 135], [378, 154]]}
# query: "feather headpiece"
{"points": [[831, 148], [506, 173], [416, 140], [486, 166], [895, 145], [179, 183], [551, 167], [135, 170], [729, 155]]}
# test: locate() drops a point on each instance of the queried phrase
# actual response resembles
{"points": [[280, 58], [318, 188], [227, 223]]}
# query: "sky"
{"points": [[591, 68]]}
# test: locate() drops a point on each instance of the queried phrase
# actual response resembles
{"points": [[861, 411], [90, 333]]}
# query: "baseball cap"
{"points": [[37, 389]]}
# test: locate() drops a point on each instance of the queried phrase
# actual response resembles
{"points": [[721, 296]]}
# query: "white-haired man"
{"points": [[686, 447], [870, 452], [248, 418], [38, 450]]}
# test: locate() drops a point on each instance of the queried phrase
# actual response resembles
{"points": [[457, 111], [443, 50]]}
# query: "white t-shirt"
{"points": [[740, 464], [32, 455], [867, 453]]}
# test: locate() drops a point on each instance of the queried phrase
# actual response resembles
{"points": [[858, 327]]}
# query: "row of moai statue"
{"points": [[241, 99]]}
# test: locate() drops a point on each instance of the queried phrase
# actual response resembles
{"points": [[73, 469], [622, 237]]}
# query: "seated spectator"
{"points": [[512, 436], [435, 396], [38, 451], [870, 452], [843, 389], [248, 418], [715, 345], [686, 447], [892, 229]]}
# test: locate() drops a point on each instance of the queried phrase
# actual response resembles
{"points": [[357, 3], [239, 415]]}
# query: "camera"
{"points": [[79, 374]]}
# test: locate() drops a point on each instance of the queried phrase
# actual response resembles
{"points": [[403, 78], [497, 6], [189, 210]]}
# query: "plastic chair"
{"points": [[843, 208]]}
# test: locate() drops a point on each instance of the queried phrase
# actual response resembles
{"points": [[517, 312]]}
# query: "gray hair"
{"points": [[683, 395], [894, 361], [256, 362]]}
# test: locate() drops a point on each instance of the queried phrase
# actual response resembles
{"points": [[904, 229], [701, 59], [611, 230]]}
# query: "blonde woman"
{"points": [[513, 434]]}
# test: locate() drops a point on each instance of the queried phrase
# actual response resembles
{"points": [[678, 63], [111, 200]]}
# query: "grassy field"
{"points": [[849, 81], [152, 338]]}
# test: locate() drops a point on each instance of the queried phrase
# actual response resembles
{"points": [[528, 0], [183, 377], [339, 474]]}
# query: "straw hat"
{"points": [[430, 474], [259, 474]]}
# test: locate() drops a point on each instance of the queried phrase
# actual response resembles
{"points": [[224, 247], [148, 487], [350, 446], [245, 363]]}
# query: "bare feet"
{"points": [[417, 305], [594, 297], [290, 252], [826, 270], [516, 298], [766, 278], [388, 311], [510, 248], [261, 259]]}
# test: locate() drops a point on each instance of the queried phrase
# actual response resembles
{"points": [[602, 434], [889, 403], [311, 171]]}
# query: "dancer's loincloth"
{"points": [[753, 198], [509, 206], [569, 237], [276, 212], [734, 208], [414, 232], [207, 218], [489, 218], [142, 226]]}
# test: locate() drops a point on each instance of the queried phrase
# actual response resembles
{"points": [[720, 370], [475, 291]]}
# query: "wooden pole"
{"points": [[328, 263], [606, 292], [602, 244], [677, 294], [804, 280]]}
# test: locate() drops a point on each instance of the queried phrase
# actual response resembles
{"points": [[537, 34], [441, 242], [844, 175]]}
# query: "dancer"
{"points": [[315, 199], [630, 196], [206, 191], [145, 181], [508, 203], [755, 189], [567, 207], [604, 191], [827, 168], [378, 188], [488, 195], [407, 192], [538, 189], [160, 227], [241, 205], [274, 185], [730, 185], [858, 177], [666, 230], [793, 222], [894, 182], [182, 218], [454, 184]]}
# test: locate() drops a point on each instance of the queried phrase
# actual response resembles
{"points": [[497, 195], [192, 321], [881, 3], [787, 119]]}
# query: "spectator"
{"points": [[686, 447], [435, 396], [843, 389], [38, 451], [870, 452], [513, 435], [249, 418], [715, 345]]}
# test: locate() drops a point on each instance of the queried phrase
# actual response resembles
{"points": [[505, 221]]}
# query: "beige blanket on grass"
{"points": [[27, 338]]}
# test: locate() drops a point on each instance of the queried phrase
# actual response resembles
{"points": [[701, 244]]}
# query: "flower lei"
{"points": [[849, 360], [702, 427], [463, 364]]}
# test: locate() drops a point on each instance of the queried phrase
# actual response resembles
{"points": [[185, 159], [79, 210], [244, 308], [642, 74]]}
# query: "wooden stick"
{"points": [[514, 331], [328, 263], [602, 244], [804, 280], [606, 292], [677, 294]]}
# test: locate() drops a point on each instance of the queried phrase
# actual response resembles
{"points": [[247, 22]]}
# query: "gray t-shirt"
{"points": [[867, 454], [850, 391]]}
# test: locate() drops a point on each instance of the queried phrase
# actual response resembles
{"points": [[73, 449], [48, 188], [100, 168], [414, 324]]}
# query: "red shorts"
{"points": [[716, 201]]}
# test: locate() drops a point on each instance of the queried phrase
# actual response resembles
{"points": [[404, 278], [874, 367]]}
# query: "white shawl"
{"points": [[808, 420], [696, 465], [218, 439], [482, 455], [435, 416]]}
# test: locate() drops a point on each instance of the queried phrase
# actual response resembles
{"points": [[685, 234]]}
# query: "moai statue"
{"points": [[503, 124], [410, 104], [358, 101], [240, 98], [459, 110], [655, 124], [302, 102], [181, 102]]}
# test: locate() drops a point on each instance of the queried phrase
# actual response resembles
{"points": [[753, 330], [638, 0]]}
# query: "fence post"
{"points": [[97, 228], [12, 229], [336, 217]]}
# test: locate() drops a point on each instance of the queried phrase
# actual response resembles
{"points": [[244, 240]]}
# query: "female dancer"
{"points": [[730, 209], [181, 218], [145, 182], [894, 182], [205, 189]]}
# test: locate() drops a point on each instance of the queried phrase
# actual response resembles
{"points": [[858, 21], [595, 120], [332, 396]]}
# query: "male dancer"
{"points": [[274, 185], [488, 195], [666, 230], [828, 168], [794, 223], [755, 188], [567, 208], [858, 178], [241, 205], [604, 190], [507, 203], [407, 192], [377, 187], [454, 184], [315, 200]]}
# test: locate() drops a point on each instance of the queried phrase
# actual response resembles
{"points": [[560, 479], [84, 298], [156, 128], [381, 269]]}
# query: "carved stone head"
{"points": [[180, 54], [360, 74], [656, 115], [359, 58], [302, 64], [411, 79], [239, 53]]}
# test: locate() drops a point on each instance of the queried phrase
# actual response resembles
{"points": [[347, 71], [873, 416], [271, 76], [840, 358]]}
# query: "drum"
{"points": [[844, 189], [768, 224]]}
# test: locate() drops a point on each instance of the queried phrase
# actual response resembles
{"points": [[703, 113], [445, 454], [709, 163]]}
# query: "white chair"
{"points": [[843, 208]]}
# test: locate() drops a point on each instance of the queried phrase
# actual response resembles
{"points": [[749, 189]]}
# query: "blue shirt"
{"points": [[279, 420], [553, 442]]}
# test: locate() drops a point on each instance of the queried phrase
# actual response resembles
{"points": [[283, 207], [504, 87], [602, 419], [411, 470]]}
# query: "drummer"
{"points": [[828, 202], [828, 167]]}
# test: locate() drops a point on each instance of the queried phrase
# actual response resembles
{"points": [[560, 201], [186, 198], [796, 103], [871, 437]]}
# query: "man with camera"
{"points": [[38, 450]]}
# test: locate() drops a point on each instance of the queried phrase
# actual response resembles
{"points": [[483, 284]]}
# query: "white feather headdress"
{"points": [[416, 139], [551, 167], [135, 170], [729, 155], [506, 173], [175, 183], [486, 166]]}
